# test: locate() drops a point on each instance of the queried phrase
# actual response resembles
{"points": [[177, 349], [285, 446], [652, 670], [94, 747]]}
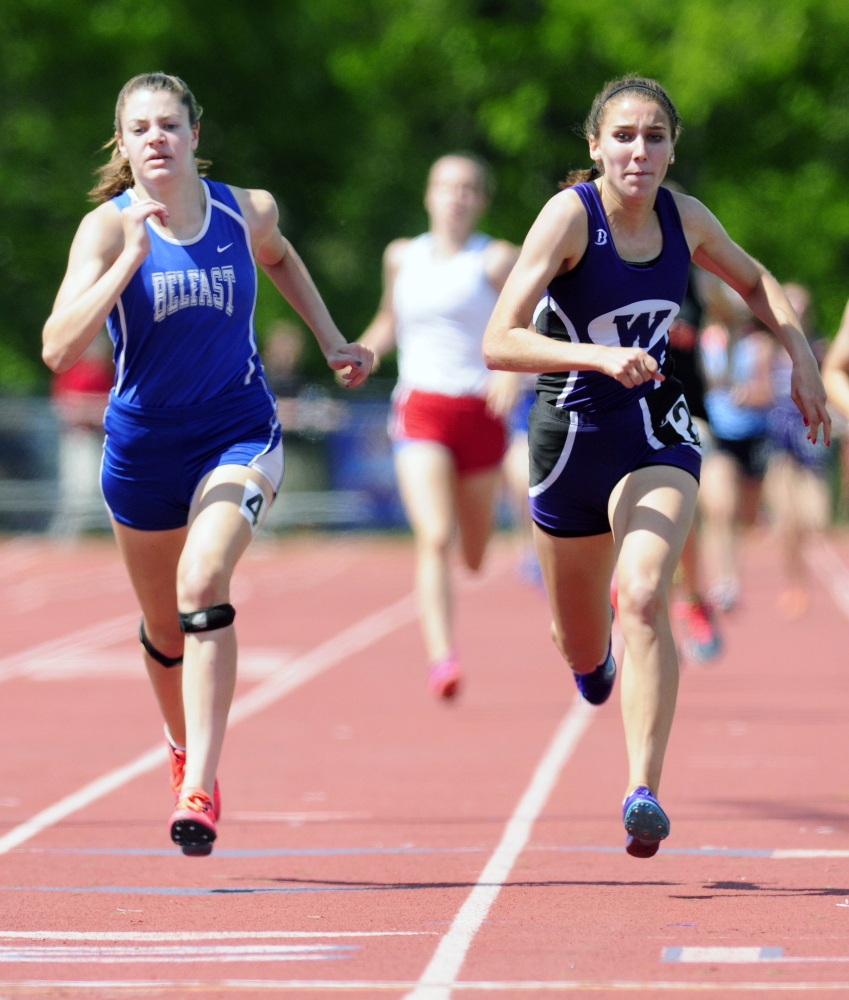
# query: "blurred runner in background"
{"points": [[795, 487], [448, 419], [738, 353]]}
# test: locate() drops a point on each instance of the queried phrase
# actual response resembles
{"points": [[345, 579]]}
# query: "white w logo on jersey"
{"points": [[638, 324]]}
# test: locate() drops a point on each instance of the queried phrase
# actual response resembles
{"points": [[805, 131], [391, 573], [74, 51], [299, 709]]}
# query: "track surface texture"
{"points": [[376, 843]]}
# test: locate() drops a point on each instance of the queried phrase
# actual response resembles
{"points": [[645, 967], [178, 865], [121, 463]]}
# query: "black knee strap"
{"points": [[208, 619], [153, 652]]}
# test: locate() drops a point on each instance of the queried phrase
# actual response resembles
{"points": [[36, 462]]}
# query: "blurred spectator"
{"points": [[302, 408], [79, 397], [281, 357]]}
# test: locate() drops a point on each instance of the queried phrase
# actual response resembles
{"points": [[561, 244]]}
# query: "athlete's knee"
{"points": [[201, 585], [642, 597], [433, 539]]}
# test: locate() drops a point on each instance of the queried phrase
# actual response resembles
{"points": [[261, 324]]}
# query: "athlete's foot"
{"points": [[794, 602], [597, 684], [443, 678], [177, 759], [193, 823], [724, 595], [645, 823], [704, 642]]}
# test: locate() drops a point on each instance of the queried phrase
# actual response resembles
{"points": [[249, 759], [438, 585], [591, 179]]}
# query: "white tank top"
{"points": [[441, 308]]}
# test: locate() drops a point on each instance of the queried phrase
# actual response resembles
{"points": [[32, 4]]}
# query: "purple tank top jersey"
{"points": [[607, 301]]}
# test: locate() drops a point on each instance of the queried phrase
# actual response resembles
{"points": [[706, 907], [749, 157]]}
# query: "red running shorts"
{"points": [[476, 439]]}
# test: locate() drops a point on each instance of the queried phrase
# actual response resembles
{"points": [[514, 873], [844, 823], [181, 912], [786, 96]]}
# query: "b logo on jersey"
{"points": [[639, 324], [600, 237], [175, 290]]}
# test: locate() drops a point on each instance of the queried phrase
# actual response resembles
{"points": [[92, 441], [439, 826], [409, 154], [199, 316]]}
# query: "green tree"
{"points": [[339, 109]]}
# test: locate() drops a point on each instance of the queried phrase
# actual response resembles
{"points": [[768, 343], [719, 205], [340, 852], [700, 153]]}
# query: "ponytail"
{"points": [[580, 176]]}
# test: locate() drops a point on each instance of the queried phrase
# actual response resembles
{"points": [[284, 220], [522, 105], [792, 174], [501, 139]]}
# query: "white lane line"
{"points": [[441, 972], [126, 954], [154, 936], [152, 987], [296, 817], [741, 956], [781, 854], [720, 955], [831, 570], [91, 637], [353, 639]]}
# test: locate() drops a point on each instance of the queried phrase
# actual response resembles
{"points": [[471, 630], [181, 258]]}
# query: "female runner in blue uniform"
{"points": [[193, 457], [614, 455]]}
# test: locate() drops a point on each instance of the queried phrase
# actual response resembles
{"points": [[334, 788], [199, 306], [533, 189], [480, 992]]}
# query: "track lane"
{"points": [[410, 800]]}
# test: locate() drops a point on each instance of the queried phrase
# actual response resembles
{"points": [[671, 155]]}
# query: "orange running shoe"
{"points": [[193, 823], [177, 759]]}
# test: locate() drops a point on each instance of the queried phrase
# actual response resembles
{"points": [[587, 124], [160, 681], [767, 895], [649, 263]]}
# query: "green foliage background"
{"points": [[338, 108]]}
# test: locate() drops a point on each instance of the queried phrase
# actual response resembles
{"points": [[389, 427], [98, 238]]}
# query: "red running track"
{"points": [[376, 843]]}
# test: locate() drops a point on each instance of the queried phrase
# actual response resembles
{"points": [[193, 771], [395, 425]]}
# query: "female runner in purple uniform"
{"points": [[614, 455], [193, 456]]}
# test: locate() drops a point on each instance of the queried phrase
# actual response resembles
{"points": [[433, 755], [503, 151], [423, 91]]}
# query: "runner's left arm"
{"points": [[277, 257]]}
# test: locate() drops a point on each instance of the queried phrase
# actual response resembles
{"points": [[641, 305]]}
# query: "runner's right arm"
{"points": [[107, 250]]}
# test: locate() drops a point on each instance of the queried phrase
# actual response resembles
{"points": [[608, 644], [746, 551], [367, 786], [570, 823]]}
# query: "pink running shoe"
{"points": [[705, 642], [193, 823], [443, 678], [177, 759]]}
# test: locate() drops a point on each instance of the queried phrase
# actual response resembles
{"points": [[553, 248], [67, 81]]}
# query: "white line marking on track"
{"points": [[832, 571], [781, 855], [90, 637], [197, 935], [721, 955], [296, 817], [441, 972], [353, 639], [152, 987], [126, 954]]}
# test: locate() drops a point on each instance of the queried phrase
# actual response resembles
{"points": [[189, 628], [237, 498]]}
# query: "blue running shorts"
{"points": [[154, 457], [577, 458]]}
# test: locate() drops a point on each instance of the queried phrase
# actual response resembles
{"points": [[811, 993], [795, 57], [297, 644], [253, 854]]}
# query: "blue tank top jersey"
{"points": [[183, 328], [728, 418], [605, 300]]}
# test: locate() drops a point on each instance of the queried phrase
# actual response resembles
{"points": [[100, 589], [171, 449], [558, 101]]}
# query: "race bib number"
{"points": [[671, 423]]}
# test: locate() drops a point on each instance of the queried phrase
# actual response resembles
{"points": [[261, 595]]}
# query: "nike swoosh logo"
{"points": [[222, 249]]}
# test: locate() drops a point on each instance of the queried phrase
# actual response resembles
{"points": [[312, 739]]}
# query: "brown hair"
{"points": [[116, 175], [486, 179], [635, 86]]}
